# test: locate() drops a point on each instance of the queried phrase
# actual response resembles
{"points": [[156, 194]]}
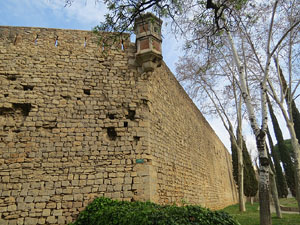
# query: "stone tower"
{"points": [[148, 41]]}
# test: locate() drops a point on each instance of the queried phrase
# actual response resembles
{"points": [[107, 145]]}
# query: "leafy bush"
{"points": [[104, 211]]}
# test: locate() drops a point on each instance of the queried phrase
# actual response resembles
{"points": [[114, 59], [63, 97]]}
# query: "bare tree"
{"points": [[282, 40]]}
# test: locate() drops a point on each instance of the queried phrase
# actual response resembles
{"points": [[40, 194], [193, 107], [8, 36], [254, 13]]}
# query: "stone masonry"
{"points": [[78, 120]]}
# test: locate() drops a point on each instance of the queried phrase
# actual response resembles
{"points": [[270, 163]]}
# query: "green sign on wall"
{"points": [[139, 160]]}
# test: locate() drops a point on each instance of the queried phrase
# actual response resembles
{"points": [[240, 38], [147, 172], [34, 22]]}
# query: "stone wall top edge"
{"points": [[23, 28], [194, 107], [45, 36]]}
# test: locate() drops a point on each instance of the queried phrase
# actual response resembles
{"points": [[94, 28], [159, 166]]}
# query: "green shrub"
{"points": [[104, 211]]}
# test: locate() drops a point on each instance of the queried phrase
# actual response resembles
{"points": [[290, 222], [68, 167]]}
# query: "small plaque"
{"points": [[139, 160]]}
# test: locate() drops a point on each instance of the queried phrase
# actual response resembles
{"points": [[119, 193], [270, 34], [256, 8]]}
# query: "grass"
{"points": [[289, 202], [251, 216]]}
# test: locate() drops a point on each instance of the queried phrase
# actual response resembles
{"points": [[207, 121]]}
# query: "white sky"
{"points": [[84, 15]]}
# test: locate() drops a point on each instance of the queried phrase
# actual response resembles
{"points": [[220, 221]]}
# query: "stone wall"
{"points": [[79, 121], [190, 163], [71, 125]]}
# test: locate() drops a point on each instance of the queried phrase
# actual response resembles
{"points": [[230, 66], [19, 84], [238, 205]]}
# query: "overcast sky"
{"points": [[84, 15]]}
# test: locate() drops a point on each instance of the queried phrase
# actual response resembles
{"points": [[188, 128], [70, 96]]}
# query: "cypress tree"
{"points": [[296, 120], [276, 167], [283, 152], [234, 157], [250, 181]]}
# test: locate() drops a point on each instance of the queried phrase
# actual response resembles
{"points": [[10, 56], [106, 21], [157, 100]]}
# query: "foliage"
{"points": [[251, 216], [250, 181], [122, 13], [288, 144], [234, 157], [104, 211], [296, 119], [285, 153], [280, 178]]}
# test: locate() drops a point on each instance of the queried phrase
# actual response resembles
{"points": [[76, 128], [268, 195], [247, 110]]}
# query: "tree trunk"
{"points": [[275, 194], [264, 191], [240, 165], [238, 172], [264, 186], [241, 180]]}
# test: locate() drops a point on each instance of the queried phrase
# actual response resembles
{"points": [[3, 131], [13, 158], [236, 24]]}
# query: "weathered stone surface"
{"points": [[193, 165], [51, 220], [76, 123], [30, 221]]}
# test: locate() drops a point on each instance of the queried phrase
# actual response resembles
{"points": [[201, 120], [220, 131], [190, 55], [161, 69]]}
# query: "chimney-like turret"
{"points": [[148, 41]]}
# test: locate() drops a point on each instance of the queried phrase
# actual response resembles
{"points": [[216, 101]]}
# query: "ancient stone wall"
{"points": [[190, 163], [79, 120], [71, 125]]}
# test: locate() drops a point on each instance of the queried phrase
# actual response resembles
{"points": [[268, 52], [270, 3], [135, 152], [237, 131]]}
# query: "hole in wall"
{"points": [[28, 87], [17, 131], [78, 98], [56, 41], [36, 39], [5, 111], [136, 138], [87, 91], [131, 114], [112, 134], [5, 95], [84, 44], [67, 97], [144, 101], [16, 38], [122, 46], [125, 124], [49, 125], [111, 116], [11, 77], [24, 107]]}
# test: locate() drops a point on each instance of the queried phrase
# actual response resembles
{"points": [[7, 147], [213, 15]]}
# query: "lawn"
{"points": [[251, 216], [289, 202]]}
